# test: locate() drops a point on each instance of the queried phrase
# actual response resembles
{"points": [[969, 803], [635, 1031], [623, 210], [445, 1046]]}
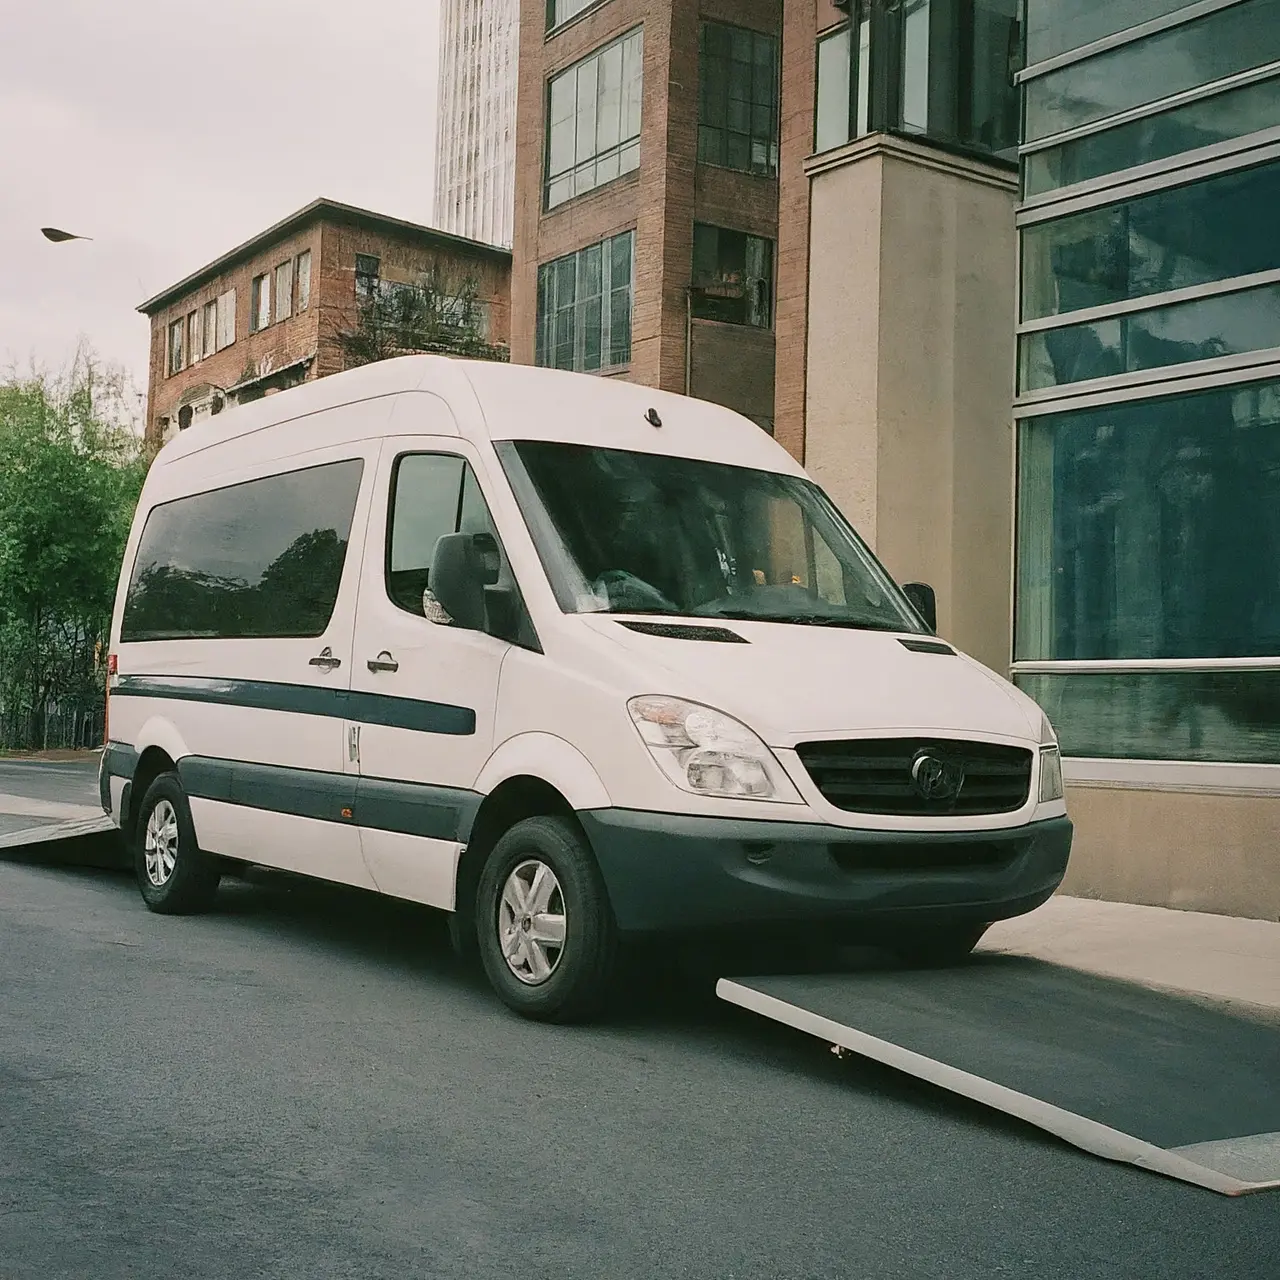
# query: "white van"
{"points": [[569, 658]]}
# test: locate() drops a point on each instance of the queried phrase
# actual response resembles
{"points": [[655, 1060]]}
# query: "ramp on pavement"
{"points": [[1180, 1087]]}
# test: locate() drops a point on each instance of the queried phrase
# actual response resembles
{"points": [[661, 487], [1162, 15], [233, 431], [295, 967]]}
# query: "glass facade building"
{"points": [[1147, 597], [476, 119]]}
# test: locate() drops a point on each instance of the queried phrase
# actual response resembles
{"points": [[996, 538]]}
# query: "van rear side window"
{"points": [[254, 560]]}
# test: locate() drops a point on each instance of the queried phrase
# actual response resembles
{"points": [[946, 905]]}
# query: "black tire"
{"points": [[939, 948], [189, 884], [582, 968]]}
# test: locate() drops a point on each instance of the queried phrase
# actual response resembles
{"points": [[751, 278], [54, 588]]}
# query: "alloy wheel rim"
{"points": [[160, 848], [531, 922]]}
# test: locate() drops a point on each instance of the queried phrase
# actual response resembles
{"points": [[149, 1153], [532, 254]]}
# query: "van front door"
{"points": [[423, 692]]}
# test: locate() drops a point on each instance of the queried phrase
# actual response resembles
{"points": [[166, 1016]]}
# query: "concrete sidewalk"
{"points": [[1217, 957]]}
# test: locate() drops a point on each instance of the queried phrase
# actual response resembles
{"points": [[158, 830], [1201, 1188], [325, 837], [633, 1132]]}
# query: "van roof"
{"points": [[492, 401]]}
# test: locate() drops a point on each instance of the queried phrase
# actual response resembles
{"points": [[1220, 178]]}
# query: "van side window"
{"points": [[258, 559], [432, 494]]}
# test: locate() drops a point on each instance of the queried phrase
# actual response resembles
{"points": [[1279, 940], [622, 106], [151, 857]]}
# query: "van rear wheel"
{"points": [[174, 875], [546, 931]]}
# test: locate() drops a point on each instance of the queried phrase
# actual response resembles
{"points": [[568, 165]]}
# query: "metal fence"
{"points": [[60, 728]]}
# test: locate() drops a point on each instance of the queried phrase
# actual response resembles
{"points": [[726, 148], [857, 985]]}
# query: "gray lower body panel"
{"points": [[669, 872]]}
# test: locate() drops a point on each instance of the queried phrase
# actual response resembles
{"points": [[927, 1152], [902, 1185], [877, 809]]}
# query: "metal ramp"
{"points": [[1175, 1086]]}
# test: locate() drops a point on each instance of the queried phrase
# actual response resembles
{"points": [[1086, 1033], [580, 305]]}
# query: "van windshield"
{"points": [[624, 532]]}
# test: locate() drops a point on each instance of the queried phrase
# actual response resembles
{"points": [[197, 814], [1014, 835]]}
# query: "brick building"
{"points": [[643, 239], [271, 313]]}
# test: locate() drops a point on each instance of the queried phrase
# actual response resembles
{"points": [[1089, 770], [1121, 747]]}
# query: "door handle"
{"points": [[383, 662], [325, 660]]}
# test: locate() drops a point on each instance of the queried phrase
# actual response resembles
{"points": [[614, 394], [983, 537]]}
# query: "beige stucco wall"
{"points": [[1191, 850], [909, 369]]}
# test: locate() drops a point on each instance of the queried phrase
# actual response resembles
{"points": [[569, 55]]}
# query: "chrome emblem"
{"points": [[936, 777]]}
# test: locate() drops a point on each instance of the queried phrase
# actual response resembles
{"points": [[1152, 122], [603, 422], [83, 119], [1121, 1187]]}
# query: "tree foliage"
{"points": [[71, 468], [435, 314]]}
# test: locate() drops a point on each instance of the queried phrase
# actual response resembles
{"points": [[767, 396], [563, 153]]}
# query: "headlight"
{"points": [[1050, 775], [709, 753], [1047, 736]]}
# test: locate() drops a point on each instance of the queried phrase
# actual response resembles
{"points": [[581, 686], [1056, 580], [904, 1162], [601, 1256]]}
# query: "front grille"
{"points": [[875, 776]]}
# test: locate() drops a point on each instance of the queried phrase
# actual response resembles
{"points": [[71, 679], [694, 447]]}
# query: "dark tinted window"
{"points": [[1233, 114], [260, 559], [1213, 230], [1197, 53], [1152, 529], [1057, 26]]}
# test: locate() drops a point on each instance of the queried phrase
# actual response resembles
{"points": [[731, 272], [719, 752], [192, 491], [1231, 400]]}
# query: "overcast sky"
{"points": [[170, 131]]}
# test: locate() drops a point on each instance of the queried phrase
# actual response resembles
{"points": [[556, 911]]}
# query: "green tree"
{"points": [[436, 314], [71, 468]]}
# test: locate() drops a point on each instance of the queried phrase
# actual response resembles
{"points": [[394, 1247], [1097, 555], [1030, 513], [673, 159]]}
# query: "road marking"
{"points": [[1089, 1135]]}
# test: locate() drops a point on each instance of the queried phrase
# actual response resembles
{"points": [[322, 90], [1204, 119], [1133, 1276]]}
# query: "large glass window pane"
{"points": [[1057, 26], [263, 558], [584, 307], [738, 98], [1223, 325], [593, 120], [1216, 229], [993, 116], [1234, 114], [1152, 529], [1213, 716], [831, 127], [1211, 48], [915, 65]]}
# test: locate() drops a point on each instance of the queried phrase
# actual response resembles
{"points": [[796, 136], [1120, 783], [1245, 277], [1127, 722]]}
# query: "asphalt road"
{"points": [[304, 1084]]}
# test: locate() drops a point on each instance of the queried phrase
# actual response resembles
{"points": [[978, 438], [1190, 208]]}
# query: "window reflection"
{"points": [[1213, 716], [1228, 324], [1234, 114], [1152, 529], [1214, 230], [1197, 53]]}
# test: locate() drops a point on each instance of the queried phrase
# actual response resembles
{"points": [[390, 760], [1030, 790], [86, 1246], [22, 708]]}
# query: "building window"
{"points": [[732, 277], [284, 290], [193, 337], [593, 120], [560, 11], [1144, 528], [175, 346], [1179, 59], [304, 279], [1190, 235], [738, 99], [209, 328], [584, 307], [368, 271], [226, 319], [941, 69], [260, 303]]}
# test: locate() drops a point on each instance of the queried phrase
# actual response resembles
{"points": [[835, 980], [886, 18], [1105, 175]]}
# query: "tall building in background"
{"points": [[476, 120]]}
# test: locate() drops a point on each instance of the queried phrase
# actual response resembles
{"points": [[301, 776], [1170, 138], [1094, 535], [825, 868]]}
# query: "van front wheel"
{"points": [[546, 931]]}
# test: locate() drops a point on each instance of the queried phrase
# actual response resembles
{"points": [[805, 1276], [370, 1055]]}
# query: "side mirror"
{"points": [[924, 601], [459, 574]]}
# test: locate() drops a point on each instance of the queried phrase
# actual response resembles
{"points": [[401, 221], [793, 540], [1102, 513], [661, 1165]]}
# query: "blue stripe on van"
{"points": [[305, 699]]}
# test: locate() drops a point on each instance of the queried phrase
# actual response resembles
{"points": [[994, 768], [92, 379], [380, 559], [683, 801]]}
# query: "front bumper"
{"points": [[672, 873]]}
